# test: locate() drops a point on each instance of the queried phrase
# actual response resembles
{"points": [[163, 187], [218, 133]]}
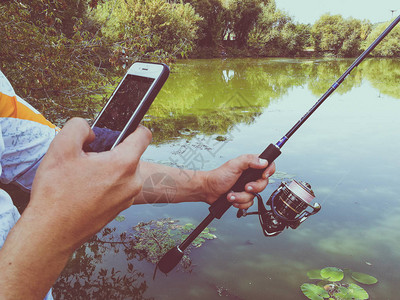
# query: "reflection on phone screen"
{"points": [[119, 110]]}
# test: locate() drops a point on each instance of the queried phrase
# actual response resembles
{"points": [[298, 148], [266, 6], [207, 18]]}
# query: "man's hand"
{"points": [[79, 192], [220, 180], [74, 195]]}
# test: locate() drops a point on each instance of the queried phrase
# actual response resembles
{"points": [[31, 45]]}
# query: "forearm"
{"points": [[31, 259], [165, 184]]}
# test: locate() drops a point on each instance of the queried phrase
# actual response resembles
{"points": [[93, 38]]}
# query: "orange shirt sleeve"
{"points": [[10, 107]]}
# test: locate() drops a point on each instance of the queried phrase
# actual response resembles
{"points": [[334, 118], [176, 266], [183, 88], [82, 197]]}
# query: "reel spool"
{"points": [[286, 207]]}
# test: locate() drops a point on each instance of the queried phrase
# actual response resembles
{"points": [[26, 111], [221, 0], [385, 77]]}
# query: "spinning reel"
{"points": [[287, 207]]}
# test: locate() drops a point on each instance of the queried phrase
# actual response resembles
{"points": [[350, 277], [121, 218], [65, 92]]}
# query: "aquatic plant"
{"points": [[336, 284], [151, 240]]}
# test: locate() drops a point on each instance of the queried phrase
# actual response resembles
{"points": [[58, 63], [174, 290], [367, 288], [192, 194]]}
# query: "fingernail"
{"points": [[249, 188], [232, 198], [262, 161]]}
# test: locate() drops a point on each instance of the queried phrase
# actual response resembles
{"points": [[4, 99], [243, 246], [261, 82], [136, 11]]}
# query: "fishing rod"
{"points": [[289, 203]]}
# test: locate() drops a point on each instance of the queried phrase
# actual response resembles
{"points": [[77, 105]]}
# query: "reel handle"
{"points": [[221, 205]]}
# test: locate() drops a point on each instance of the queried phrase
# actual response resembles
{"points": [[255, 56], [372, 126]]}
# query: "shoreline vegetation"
{"points": [[57, 51]]}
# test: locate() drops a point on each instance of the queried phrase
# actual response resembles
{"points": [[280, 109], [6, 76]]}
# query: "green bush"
{"points": [[390, 45]]}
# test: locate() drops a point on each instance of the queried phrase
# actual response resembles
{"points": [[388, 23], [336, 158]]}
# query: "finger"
{"points": [[243, 206], [257, 163], [256, 186], [240, 197], [242, 200], [70, 140], [269, 171], [132, 148], [246, 161]]}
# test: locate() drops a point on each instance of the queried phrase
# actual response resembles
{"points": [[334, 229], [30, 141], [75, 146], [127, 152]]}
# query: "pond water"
{"points": [[212, 110]]}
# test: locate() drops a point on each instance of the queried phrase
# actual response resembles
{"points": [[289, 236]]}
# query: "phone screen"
{"points": [[119, 110]]}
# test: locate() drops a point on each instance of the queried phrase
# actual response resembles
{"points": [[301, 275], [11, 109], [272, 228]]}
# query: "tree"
{"points": [[152, 28], [275, 34], [390, 45], [50, 62], [244, 15], [60, 58], [341, 36], [215, 19], [327, 33], [356, 32]]}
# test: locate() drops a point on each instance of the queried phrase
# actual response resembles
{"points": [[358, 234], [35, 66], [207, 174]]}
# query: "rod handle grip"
{"points": [[221, 205]]}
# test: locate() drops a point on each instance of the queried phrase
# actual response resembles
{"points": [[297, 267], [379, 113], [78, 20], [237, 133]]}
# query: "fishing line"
{"points": [[290, 204]]}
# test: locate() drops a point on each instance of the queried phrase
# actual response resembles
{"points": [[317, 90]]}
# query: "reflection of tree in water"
{"points": [[200, 92], [325, 72], [199, 98], [82, 280], [384, 75], [213, 122], [147, 241]]}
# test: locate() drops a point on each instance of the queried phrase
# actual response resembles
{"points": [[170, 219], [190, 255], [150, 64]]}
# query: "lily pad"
{"points": [[353, 291], [188, 227], [209, 236], [282, 175], [343, 293], [358, 292], [314, 274], [364, 278], [221, 138], [314, 292], [120, 218], [332, 274]]}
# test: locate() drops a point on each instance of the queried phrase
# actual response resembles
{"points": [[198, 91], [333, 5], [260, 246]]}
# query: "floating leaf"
{"points": [[353, 291], [314, 292], [357, 292], [332, 274], [364, 278], [221, 138], [314, 274], [188, 227], [209, 236], [120, 218], [198, 242], [343, 293], [282, 175]]}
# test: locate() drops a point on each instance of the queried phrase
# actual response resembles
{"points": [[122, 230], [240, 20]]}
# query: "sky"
{"points": [[308, 11]]}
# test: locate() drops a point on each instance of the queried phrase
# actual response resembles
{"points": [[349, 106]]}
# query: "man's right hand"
{"points": [[74, 195]]}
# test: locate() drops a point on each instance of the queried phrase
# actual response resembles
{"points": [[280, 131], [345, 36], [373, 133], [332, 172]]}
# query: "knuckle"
{"points": [[248, 157], [79, 122]]}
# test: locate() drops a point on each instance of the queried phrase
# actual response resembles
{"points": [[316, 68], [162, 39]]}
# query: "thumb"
{"points": [[72, 138], [134, 145], [246, 161]]}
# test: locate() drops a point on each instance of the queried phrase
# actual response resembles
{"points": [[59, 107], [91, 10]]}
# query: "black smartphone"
{"points": [[128, 104]]}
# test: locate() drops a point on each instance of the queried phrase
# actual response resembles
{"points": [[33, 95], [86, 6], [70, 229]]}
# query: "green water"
{"points": [[212, 110]]}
